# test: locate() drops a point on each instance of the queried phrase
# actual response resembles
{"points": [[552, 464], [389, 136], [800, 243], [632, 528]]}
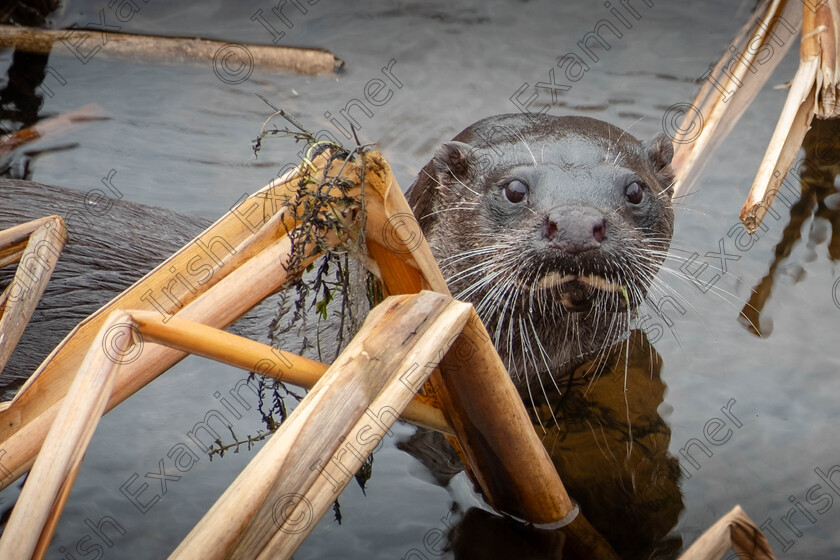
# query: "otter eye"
{"points": [[633, 192], [515, 191]]}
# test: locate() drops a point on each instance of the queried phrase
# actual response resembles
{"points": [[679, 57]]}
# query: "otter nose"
{"points": [[575, 231]]}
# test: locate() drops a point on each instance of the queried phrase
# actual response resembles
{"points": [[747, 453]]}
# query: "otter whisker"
{"points": [[527, 346], [545, 360], [458, 257], [447, 209], [481, 266], [666, 189], [460, 182], [718, 292]]}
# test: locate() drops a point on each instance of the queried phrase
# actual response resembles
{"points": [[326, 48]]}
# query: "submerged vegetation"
{"points": [[326, 302]]}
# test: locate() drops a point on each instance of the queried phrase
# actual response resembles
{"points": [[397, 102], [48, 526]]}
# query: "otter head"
{"points": [[553, 227]]}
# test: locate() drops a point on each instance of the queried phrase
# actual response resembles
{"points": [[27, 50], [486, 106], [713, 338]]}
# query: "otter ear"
{"points": [[660, 151], [452, 160]]}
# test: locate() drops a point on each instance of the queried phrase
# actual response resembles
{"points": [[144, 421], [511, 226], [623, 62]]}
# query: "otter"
{"points": [[553, 228]]}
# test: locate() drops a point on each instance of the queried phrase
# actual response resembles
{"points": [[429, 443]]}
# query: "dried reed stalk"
{"points": [[49, 483], [250, 355], [37, 256], [274, 503], [813, 92], [735, 531], [731, 86]]}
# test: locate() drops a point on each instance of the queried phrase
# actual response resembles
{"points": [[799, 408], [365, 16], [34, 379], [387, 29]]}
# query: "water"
{"points": [[179, 138]]}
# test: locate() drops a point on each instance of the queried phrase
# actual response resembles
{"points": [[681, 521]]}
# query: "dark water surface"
{"points": [[179, 137]]}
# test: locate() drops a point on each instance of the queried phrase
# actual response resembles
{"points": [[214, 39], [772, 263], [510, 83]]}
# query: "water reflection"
{"points": [[610, 447], [19, 102], [20, 99], [817, 172]]}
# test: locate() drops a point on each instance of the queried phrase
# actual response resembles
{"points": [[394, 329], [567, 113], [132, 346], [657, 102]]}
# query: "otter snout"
{"points": [[575, 230]]}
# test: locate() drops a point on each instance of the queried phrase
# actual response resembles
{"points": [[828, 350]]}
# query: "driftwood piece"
{"points": [[250, 355], [51, 126], [274, 503], [734, 531], [813, 92], [36, 257], [230, 59], [43, 496], [730, 87]]}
